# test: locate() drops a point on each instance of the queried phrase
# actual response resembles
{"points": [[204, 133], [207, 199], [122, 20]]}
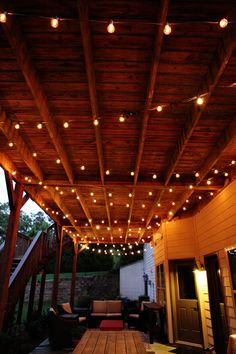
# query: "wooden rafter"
{"points": [[19, 46], [150, 92], [14, 136], [117, 185], [215, 70], [88, 53], [222, 144]]}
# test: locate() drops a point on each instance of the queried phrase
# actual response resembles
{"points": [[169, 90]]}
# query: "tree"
{"points": [[29, 225]]}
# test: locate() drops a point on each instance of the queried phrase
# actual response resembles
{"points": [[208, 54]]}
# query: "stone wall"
{"points": [[96, 286]]}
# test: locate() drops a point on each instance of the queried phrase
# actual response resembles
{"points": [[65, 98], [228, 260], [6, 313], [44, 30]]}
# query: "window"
{"points": [[161, 291]]}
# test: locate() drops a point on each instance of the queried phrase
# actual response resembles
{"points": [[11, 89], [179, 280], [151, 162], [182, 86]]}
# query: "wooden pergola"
{"points": [[105, 131]]}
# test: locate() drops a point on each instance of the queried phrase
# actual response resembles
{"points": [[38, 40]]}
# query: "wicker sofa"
{"points": [[105, 309]]}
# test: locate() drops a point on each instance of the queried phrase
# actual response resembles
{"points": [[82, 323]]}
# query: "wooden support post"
{"points": [[41, 292], [73, 277], [20, 308], [8, 251], [57, 267], [31, 296]]}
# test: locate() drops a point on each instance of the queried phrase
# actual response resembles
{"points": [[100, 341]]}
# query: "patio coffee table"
{"points": [[111, 325]]}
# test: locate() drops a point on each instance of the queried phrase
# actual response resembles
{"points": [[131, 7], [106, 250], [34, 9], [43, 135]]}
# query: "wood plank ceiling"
{"points": [[104, 179]]}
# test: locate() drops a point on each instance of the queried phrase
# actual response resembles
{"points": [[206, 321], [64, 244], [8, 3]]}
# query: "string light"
{"points": [[3, 17], [82, 168], [233, 162], [109, 194], [216, 171], [177, 175], [95, 122], [132, 173], [17, 125], [130, 195], [34, 154], [39, 125], [54, 22], [107, 172], [200, 101], [208, 182], [223, 23], [154, 176], [111, 28], [121, 118], [66, 125], [10, 144], [226, 174], [159, 108], [196, 174], [58, 161], [167, 29]]}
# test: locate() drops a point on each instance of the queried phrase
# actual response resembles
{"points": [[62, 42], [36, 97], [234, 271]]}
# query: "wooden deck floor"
{"points": [[111, 342]]}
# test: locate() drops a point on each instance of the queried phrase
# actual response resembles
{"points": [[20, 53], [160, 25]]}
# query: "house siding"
{"points": [[212, 230]]}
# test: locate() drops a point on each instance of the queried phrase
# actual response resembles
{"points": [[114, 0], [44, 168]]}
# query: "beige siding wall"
{"points": [[211, 230]]}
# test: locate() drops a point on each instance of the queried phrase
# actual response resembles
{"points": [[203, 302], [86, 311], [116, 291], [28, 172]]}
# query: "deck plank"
{"points": [[139, 343], [101, 343], [111, 343], [130, 343]]}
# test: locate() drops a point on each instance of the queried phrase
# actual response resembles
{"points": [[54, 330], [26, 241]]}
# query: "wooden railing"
{"points": [[42, 247]]}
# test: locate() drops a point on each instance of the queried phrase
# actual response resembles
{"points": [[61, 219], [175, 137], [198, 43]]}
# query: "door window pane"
{"points": [[186, 282]]}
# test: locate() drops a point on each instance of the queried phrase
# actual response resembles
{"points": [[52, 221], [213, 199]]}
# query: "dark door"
{"points": [[187, 310], [218, 318]]}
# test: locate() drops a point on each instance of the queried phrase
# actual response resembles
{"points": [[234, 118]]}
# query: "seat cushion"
{"points": [[97, 314], [99, 306], [114, 306]]}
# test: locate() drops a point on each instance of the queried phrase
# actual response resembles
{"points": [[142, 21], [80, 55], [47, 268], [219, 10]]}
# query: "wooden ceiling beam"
{"points": [[149, 96], [23, 149], [117, 185], [215, 70], [19, 46], [9, 166], [88, 54], [221, 145]]}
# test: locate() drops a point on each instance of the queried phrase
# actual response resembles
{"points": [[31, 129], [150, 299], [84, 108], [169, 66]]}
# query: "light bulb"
{"points": [[95, 122], [196, 174], [177, 175], [11, 144], [200, 101], [159, 108], [54, 22], [66, 125], [226, 174], [82, 167], [35, 154], [167, 29], [132, 173], [208, 182], [17, 126], [111, 28], [121, 118], [223, 23], [3, 17], [39, 125], [107, 172], [58, 161], [216, 171], [233, 162], [154, 176]]}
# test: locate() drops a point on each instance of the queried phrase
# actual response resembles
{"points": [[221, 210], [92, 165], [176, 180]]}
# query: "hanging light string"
{"points": [[199, 100], [223, 22]]}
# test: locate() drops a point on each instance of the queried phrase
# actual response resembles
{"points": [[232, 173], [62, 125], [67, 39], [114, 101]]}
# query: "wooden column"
{"points": [[41, 293], [73, 277], [31, 296], [57, 266], [9, 248], [20, 308]]}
